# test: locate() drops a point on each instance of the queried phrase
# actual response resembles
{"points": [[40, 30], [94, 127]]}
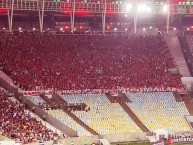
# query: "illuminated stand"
{"points": [[134, 8]]}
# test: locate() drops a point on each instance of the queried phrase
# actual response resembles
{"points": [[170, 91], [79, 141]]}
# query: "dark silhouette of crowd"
{"points": [[188, 53], [66, 62], [17, 124]]}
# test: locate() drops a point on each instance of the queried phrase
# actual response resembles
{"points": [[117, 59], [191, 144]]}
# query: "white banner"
{"points": [[100, 91]]}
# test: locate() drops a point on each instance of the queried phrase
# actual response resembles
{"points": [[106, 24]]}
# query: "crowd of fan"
{"points": [[66, 62], [17, 124]]}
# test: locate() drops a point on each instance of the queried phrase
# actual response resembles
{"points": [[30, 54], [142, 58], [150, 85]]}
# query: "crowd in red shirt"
{"points": [[66, 62], [16, 124]]}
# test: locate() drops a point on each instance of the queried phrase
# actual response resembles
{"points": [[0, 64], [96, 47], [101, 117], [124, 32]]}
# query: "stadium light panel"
{"points": [[128, 7], [165, 8], [56, 1], [115, 29], [143, 8]]}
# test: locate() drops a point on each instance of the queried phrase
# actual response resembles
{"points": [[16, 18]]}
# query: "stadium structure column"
{"points": [[168, 16], [135, 16], [104, 15], [72, 16], [10, 16], [41, 15]]}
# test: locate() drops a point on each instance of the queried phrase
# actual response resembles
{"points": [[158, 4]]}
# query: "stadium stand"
{"points": [[159, 110], [47, 124], [66, 62], [16, 123], [36, 100], [68, 121], [101, 115]]}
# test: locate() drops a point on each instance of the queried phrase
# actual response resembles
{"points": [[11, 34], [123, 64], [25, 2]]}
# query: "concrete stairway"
{"points": [[177, 96], [134, 117], [189, 106], [188, 100], [175, 49], [59, 102], [2, 138], [121, 99]]}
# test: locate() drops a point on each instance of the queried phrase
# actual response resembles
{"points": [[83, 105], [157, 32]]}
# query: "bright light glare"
{"points": [[128, 7], [165, 8], [143, 8], [61, 29], [174, 29], [115, 29]]}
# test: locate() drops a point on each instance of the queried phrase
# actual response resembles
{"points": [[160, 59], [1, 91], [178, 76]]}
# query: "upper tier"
{"points": [[67, 62]]}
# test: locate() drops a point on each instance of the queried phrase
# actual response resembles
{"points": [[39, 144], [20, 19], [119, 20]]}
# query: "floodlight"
{"points": [[143, 8], [128, 7], [165, 8]]}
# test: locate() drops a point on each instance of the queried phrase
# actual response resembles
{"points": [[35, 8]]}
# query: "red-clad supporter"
{"points": [[18, 125], [66, 62]]}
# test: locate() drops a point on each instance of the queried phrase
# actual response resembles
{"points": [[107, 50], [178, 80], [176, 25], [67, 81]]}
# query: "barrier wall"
{"points": [[110, 138], [95, 139]]}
